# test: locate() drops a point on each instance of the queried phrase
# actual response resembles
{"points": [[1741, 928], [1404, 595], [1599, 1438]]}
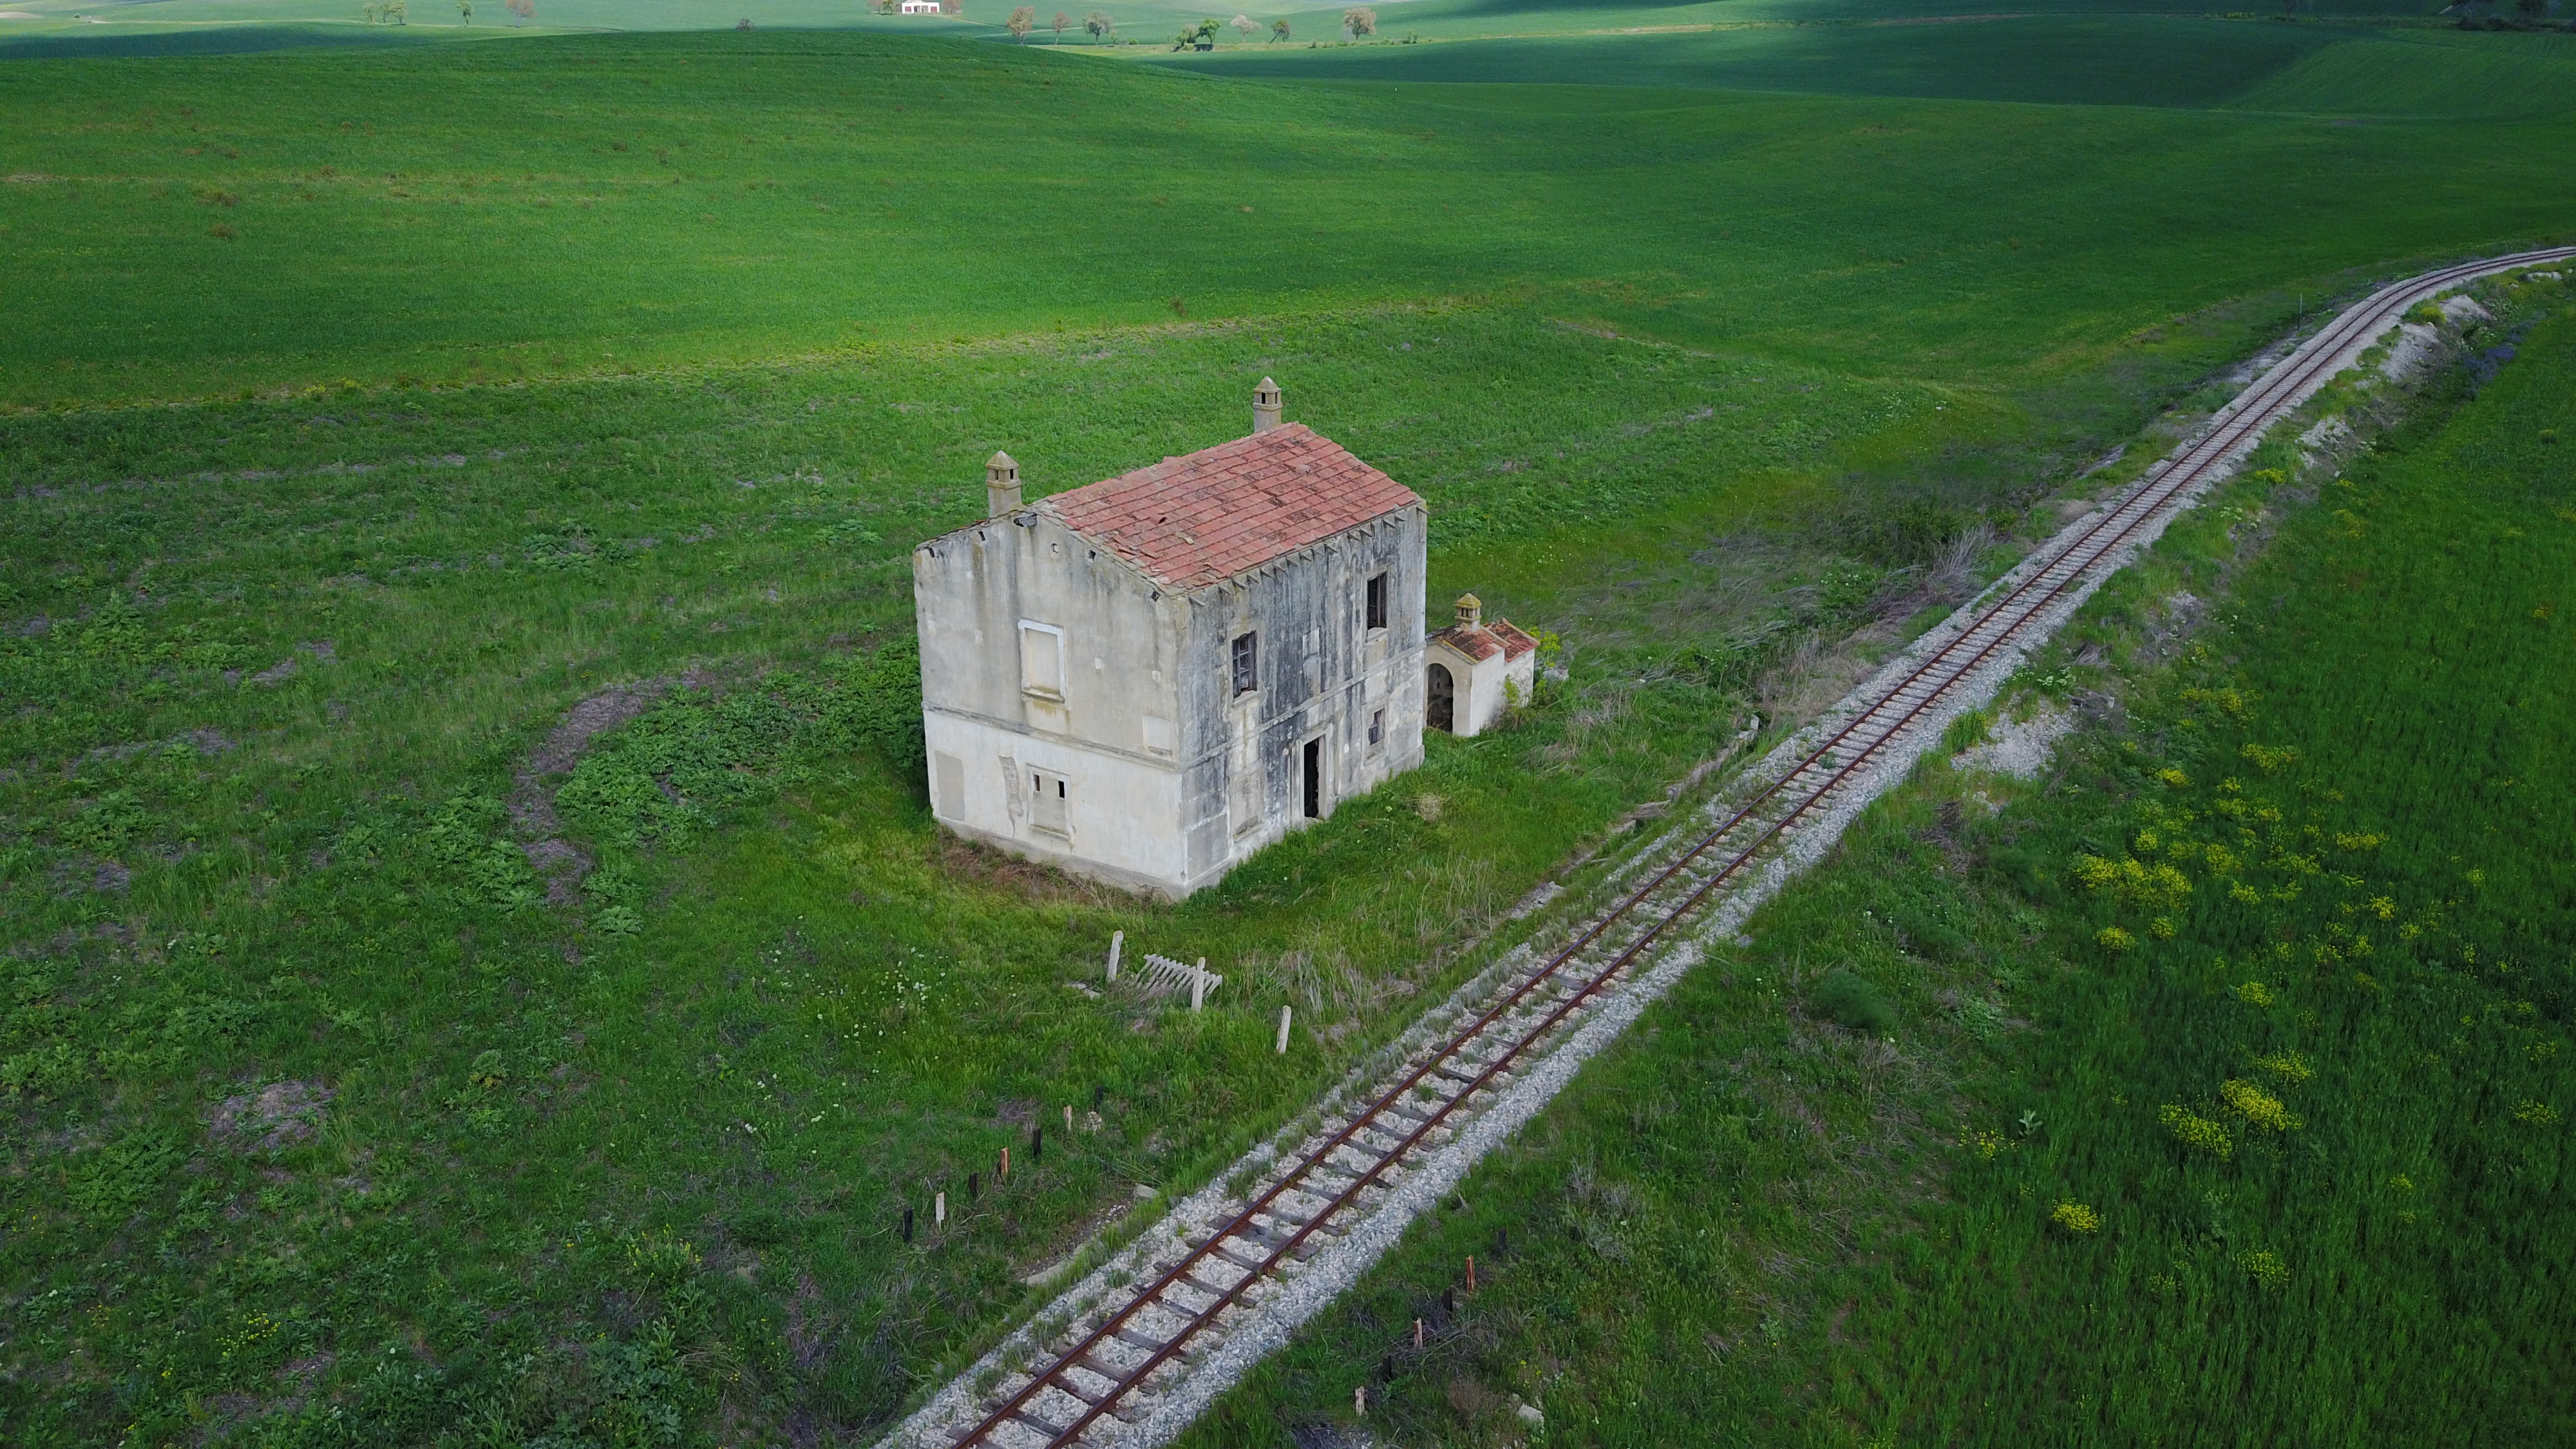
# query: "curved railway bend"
{"points": [[1130, 1355]]}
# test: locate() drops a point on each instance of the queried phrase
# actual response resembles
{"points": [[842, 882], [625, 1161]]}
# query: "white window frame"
{"points": [[1053, 639], [1050, 802]]}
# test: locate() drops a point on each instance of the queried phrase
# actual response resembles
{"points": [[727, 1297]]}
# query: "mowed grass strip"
{"points": [[2217, 1088]]}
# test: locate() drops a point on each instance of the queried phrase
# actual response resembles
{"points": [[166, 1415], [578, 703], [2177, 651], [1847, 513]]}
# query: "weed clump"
{"points": [[1847, 998]]}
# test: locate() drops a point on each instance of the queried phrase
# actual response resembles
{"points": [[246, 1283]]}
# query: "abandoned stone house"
{"points": [[1148, 678]]}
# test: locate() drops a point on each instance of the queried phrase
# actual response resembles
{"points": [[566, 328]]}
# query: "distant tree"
{"points": [[1098, 25], [1360, 20], [525, 10], [1022, 21], [2532, 10], [743, 24], [466, 9], [398, 13], [1278, 31], [1061, 21], [1245, 26], [952, 7]]}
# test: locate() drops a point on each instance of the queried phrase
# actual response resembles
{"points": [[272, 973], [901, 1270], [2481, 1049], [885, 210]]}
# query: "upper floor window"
{"points": [[1377, 601], [1247, 673], [1042, 659]]}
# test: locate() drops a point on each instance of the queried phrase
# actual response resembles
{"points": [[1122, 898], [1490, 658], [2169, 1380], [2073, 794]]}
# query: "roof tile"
{"points": [[1192, 521]]}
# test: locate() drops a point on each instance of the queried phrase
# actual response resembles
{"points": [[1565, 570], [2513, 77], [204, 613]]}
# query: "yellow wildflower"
{"points": [[2076, 1218], [2112, 938], [2266, 1267], [2271, 760], [2197, 1132], [2254, 993], [2288, 1066], [2538, 1114], [2258, 1106]]}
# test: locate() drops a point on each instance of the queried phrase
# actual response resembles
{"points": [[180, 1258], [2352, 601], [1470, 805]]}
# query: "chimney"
{"points": [[1001, 484], [1471, 612], [1265, 406]]}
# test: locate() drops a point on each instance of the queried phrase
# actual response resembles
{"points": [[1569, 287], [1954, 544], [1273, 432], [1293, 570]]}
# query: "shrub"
{"points": [[1846, 998]]}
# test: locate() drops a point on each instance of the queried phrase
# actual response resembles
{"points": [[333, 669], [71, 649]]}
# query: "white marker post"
{"points": [[939, 1210], [1283, 1029], [1198, 984], [1117, 940]]}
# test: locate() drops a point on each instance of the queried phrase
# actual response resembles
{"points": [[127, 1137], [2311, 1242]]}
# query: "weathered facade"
{"points": [[1147, 679]]}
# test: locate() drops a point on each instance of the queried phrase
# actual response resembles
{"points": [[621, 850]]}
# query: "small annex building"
{"points": [[1474, 671], [1146, 679]]}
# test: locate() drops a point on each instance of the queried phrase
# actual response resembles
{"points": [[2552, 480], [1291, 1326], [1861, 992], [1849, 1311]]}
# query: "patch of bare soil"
{"points": [[982, 865], [279, 1115], [532, 798]]}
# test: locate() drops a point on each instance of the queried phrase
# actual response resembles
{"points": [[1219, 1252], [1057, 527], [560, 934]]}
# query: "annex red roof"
{"points": [[1189, 522], [1484, 641]]}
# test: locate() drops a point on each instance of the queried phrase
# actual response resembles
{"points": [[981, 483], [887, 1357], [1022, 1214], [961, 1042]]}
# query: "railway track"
{"points": [[1100, 1380]]}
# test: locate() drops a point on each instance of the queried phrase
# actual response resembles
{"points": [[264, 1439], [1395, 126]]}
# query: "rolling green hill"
{"points": [[306, 217], [371, 413]]}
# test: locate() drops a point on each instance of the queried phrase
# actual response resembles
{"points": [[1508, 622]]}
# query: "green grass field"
{"points": [[2214, 1090], [368, 410], [667, 199]]}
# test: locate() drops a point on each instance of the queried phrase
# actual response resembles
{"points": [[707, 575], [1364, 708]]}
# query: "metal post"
{"points": [[1037, 1143], [907, 1225]]}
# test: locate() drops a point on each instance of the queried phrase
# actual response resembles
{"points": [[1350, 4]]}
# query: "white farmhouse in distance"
{"points": [[1147, 679]]}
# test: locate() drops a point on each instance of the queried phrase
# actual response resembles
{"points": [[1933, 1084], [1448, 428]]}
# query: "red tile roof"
{"points": [[1189, 522], [1487, 640]]}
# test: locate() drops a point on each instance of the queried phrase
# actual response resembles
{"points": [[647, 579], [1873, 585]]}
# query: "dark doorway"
{"points": [[1314, 779], [1442, 713]]}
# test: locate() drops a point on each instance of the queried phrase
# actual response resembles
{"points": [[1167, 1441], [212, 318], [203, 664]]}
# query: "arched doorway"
{"points": [[1442, 711]]}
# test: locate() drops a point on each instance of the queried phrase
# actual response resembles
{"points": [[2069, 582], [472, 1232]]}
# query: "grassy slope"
{"points": [[770, 198], [305, 906], [1750, 1224], [2126, 59]]}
